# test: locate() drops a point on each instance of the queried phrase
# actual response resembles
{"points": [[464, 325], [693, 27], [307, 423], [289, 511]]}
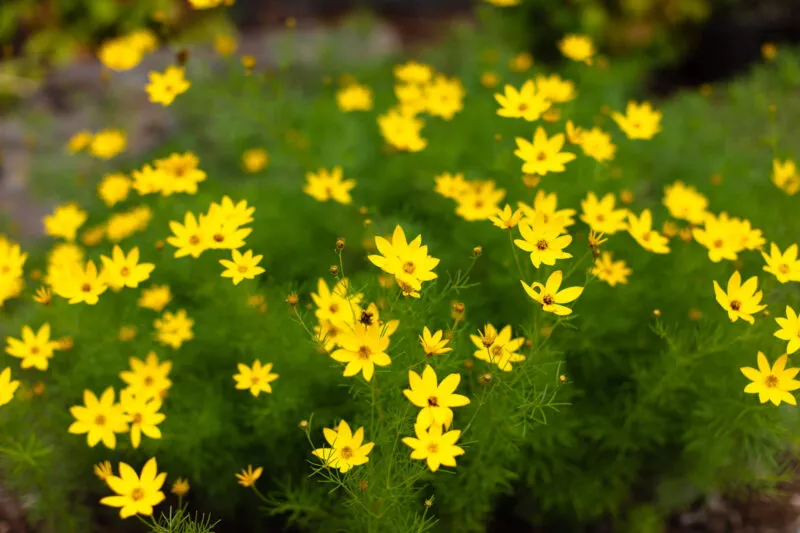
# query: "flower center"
{"points": [[346, 453], [523, 107], [242, 269], [541, 156], [148, 381], [718, 243], [219, 237], [86, 287], [137, 418], [194, 240], [409, 267], [771, 381], [736, 305], [433, 401], [35, 350], [433, 447], [496, 350], [100, 420], [365, 318], [137, 494], [333, 308], [601, 218], [548, 299], [254, 380], [124, 272], [541, 245], [364, 352], [783, 269]]}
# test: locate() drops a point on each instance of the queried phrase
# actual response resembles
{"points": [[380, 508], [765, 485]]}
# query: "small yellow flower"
{"points": [[785, 266], [578, 48], [601, 215], [545, 242], [551, 295], [148, 378], [43, 296], [325, 185], [257, 378], [99, 418], [433, 344], [413, 72], [597, 144], [35, 349], [433, 397], [790, 330], [242, 266], [248, 477], [180, 487], [164, 87], [434, 446], [610, 271], [65, 221], [640, 121], [156, 297], [174, 329], [103, 470], [136, 494], [7, 386], [80, 141], [740, 300], [506, 218], [122, 270], [544, 154], [641, 229], [347, 448], [143, 415], [785, 176], [354, 97], [255, 159], [108, 143], [772, 384], [555, 89], [527, 103]]}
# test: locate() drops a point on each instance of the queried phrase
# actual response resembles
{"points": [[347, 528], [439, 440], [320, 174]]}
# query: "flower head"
{"points": [[785, 266], [120, 270], [436, 399], [577, 47], [148, 378], [408, 262], [347, 448], [7, 386], [740, 300], [248, 477], [498, 348], [610, 271], [363, 345], [242, 266], [434, 446], [65, 221], [685, 203], [527, 103], [544, 241], [174, 329], [506, 218], [773, 384], [100, 418], [354, 97], [325, 185], [156, 297], [640, 121], [136, 494], [641, 229], [433, 344], [255, 159], [35, 349], [256, 378], [551, 296], [143, 415], [790, 330], [164, 87], [108, 143], [601, 215], [544, 154]]}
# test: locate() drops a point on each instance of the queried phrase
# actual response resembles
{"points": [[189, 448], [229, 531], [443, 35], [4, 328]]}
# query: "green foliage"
{"points": [[615, 413]]}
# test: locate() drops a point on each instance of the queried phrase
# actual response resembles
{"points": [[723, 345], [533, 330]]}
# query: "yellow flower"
{"points": [[327, 185], [230, 214], [784, 266], [156, 297], [545, 242], [99, 419], [641, 229], [65, 221], [363, 345], [408, 262], [114, 188], [498, 348], [551, 295], [43, 296], [174, 329], [413, 72], [521, 62], [204, 4], [436, 448], [347, 449], [149, 378], [610, 271], [543, 155], [685, 203], [451, 185], [772, 384], [120, 54], [249, 476], [148, 180], [555, 89], [435, 399], [242, 266], [402, 131], [143, 415], [721, 235], [180, 487], [577, 48], [545, 206], [354, 97], [597, 144], [103, 470], [790, 330], [181, 173], [34, 349], [601, 215], [164, 87], [640, 121], [504, 3], [190, 238], [225, 45], [479, 201], [108, 143], [740, 300], [80, 141], [412, 98], [506, 219], [79, 284], [136, 494], [785, 176], [120, 270], [527, 103], [255, 159], [256, 378], [433, 344], [337, 305], [574, 133], [122, 225], [444, 97], [7, 386]]}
